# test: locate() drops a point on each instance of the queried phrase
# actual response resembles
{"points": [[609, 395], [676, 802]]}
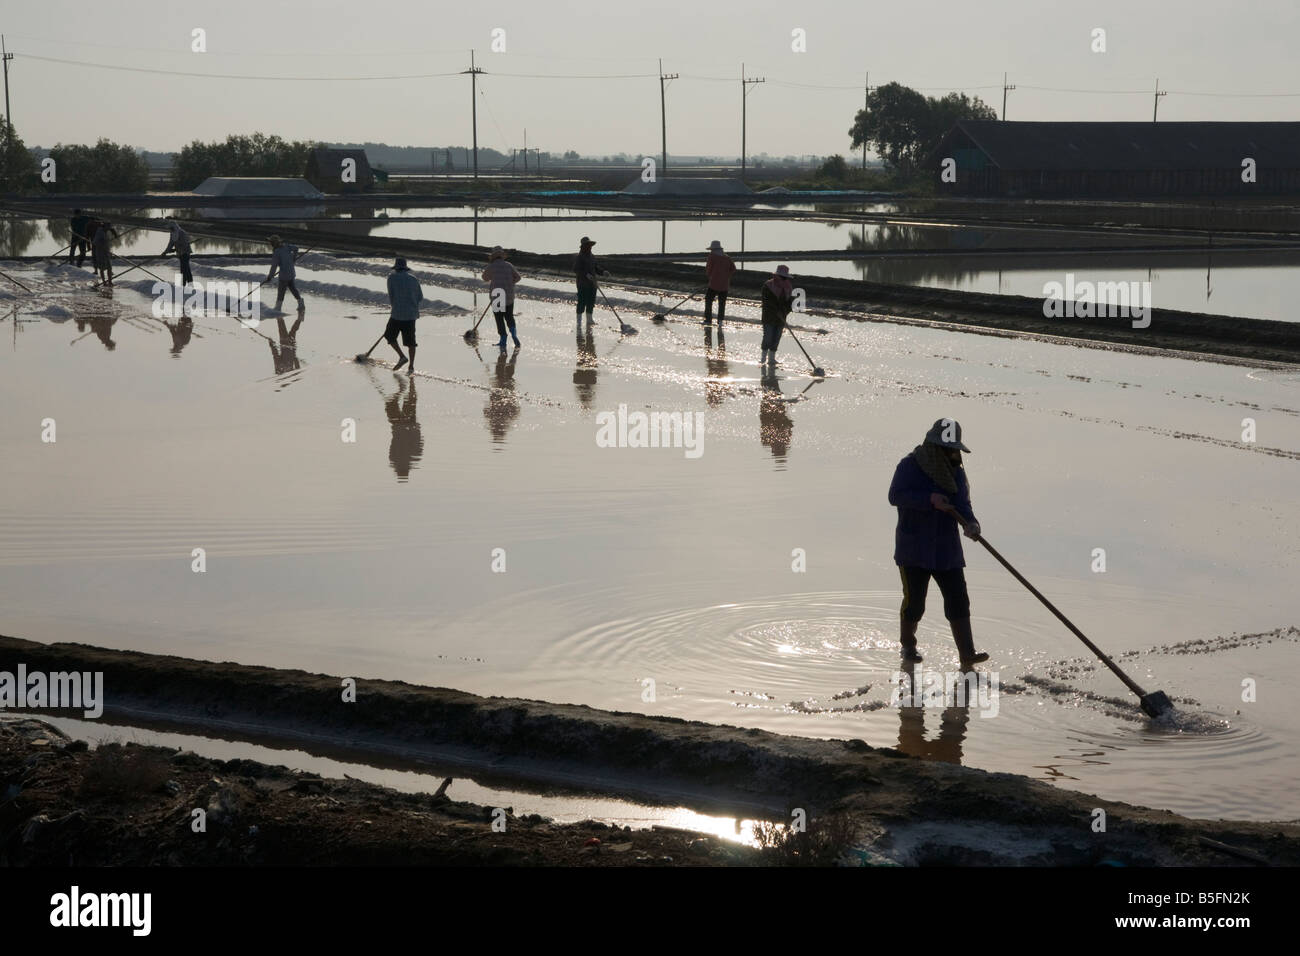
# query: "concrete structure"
{"points": [[257, 187]]}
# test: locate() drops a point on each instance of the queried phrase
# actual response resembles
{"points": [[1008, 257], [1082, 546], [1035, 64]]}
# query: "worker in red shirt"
{"points": [[719, 268]]}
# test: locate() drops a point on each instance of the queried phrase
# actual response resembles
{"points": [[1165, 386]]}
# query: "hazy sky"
{"points": [[1193, 46]]}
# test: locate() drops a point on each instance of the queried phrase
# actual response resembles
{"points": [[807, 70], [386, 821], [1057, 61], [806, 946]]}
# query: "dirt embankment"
{"points": [[897, 808]]}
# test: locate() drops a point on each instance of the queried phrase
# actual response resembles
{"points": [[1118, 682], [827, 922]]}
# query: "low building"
{"points": [[1076, 160], [339, 170], [257, 187]]}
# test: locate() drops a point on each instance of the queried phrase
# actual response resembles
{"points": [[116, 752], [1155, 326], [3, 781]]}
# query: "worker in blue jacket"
{"points": [[930, 490]]}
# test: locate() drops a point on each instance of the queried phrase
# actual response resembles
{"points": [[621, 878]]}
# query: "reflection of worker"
{"points": [[407, 446], [716, 386], [181, 332], [285, 355], [776, 429], [102, 325], [584, 375], [911, 724], [503, 404]]}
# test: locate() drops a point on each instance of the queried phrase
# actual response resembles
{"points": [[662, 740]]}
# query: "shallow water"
{"points": [[1261, 284], [374, 558]]}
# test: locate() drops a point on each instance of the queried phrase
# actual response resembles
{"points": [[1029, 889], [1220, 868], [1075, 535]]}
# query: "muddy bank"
{"points": [[1242, 339], [903, 809], [62, 804]]}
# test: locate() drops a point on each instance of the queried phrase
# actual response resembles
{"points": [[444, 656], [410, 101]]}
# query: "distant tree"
{"points": [[18, 171], [106, 167], [571, 155], [835, 168], [902, 125], [255, 155]]}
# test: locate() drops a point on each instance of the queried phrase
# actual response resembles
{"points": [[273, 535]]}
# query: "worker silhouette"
{"points": [[775, 427], [503, 404], [911, 721], [407, 445], [584, 375]]}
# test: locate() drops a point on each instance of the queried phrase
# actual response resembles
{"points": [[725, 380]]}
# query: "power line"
{"points": [[236, 76]]}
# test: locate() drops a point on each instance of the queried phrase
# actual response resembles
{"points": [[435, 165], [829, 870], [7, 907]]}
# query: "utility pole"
{"points": [[744, 96], [663, 116], [1156, 105], [866, 106], [7, 56], [473, 72], [525, 149], [1005, 87]]}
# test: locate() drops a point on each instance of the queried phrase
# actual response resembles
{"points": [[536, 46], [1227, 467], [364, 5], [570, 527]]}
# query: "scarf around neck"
{"points": [[934, 462]]}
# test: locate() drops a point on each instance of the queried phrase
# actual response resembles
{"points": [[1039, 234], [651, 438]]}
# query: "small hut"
{"points": [[339, 170]]}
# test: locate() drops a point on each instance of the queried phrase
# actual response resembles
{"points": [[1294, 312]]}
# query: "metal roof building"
{"points": [[995, 158]]}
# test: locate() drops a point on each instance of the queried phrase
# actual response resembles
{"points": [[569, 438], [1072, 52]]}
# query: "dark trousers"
{"points": [[586, 299], [77, 251], [772, 335], [709, 296], [505, 319], [952, 584], [279, 294], [186, 275]]}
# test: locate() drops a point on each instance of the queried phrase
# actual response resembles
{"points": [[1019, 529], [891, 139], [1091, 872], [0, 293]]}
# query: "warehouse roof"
{"points": [[1116, 146]]}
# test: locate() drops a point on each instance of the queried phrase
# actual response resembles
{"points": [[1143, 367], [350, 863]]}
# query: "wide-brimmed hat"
{"points": [[715, 246], [946, 433], [399, 264], [783, 272], [588, 241], [497, 253]]}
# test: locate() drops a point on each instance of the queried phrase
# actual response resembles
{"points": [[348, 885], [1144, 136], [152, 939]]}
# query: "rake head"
{"points": [[1156, 704]]}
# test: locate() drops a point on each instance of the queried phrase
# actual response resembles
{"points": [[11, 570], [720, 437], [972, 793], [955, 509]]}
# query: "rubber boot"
{"points": [[514, 334], [502, 343], [965, 641], [908, 640]]}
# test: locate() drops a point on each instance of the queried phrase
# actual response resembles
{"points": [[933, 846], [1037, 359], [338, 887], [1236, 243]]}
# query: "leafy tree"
{"points": [[106, 167], [902, 125], [18, 171], [255, 155], [835, 168]]}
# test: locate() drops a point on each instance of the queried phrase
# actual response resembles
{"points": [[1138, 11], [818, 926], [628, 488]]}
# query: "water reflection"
{"points": [[285, 353], [406, 447], [100, 325], [911, 724], [775, 427], [718, 386], [584, 375], [503, 404], [181, 330]]}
